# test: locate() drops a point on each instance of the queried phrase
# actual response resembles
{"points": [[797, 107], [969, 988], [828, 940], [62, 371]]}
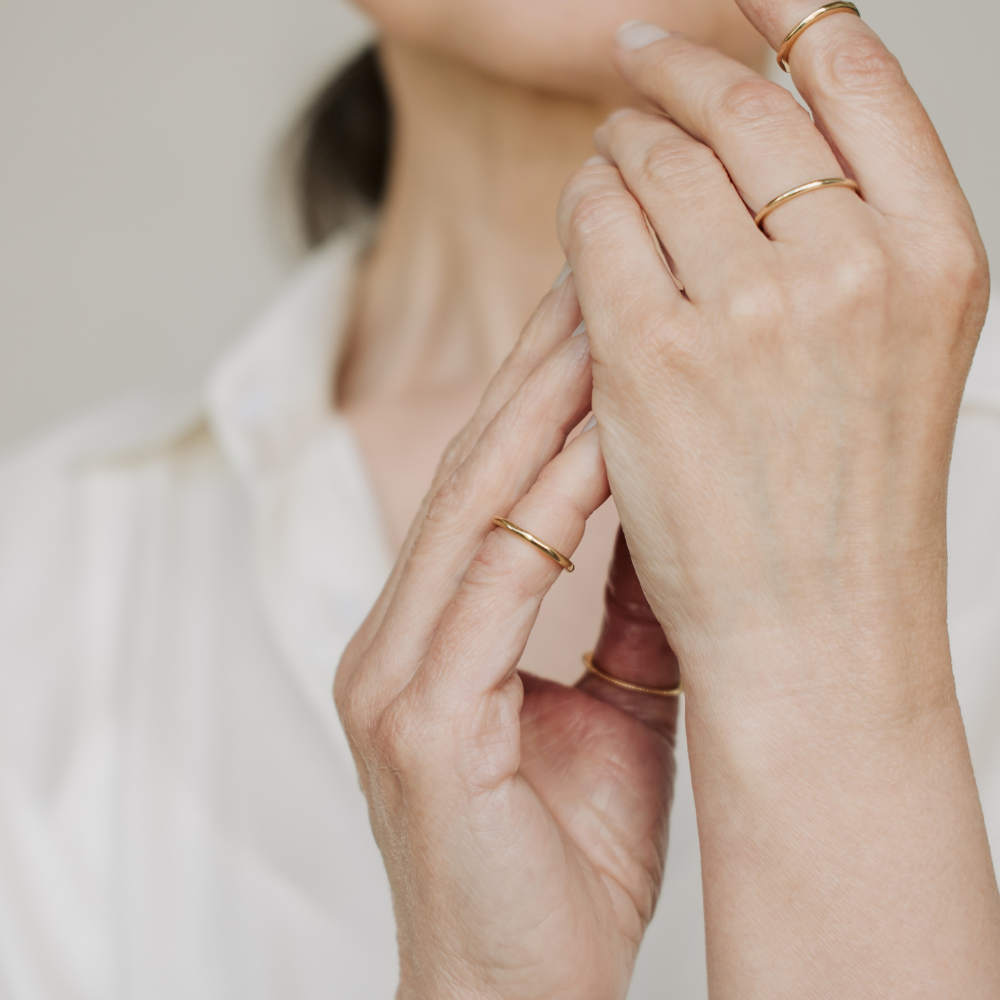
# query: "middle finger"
{"points": [[766, 140], [686, 194]]}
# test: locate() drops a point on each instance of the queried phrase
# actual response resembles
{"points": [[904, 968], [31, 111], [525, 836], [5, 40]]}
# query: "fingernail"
{"points": [[594, 160], [590, 425], [634, 35], [582, 328], [563, 275], [620, 113]]}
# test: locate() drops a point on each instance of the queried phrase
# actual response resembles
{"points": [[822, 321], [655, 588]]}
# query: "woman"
{"points": [[180, 816]]}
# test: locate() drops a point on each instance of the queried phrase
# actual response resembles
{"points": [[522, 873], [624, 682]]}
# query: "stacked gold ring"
{"points": [[817, 15]]}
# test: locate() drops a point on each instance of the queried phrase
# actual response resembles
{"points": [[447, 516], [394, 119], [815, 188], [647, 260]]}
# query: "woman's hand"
{"points": [[777, 439], [523, 824]]}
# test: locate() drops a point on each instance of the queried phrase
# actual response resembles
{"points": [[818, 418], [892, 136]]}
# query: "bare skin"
{"points": [[777, 440], [466, 248]]}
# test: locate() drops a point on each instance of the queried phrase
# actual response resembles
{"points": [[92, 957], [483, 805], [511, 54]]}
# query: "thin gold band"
{"points": [[817, 15], [829, 182], [553, 554], [588, 662]]}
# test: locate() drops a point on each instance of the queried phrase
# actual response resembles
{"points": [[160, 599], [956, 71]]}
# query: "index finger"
{"points": [[866, 107], [553, 320]]}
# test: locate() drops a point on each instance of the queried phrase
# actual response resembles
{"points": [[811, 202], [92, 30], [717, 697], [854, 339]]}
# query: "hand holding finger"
{"points": [[633, 648], [483, 786], [778, 448]]}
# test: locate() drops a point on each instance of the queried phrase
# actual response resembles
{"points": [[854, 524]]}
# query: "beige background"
{"points": [[138, 228]]}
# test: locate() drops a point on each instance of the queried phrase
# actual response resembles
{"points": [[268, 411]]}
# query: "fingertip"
{"points": [[562, 276], [635, 35]]}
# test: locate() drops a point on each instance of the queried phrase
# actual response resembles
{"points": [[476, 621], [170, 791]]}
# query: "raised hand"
{"points": [[523, 823], [777, 439]]}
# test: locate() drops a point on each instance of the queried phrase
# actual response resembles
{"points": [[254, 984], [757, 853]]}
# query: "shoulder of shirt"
{"points": [[123, 429], [142, 425], [983, 388]]}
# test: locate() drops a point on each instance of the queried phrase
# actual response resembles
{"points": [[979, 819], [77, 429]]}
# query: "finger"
{"points": [[689, 198], [556, 318], [863, 102], [622, 283], [484, 632], [632, 647], [527, 433], [553, 321], [763, 136]]}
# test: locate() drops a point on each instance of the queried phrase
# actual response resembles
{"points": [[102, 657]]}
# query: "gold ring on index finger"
{"points": [[554, 554], [817, 15]]}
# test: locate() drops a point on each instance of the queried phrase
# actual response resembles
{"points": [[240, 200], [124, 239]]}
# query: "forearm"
{"points": [[843, 845]]}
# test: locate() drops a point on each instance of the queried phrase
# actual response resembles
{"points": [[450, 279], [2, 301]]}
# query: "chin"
{"points": [[561, 46]]}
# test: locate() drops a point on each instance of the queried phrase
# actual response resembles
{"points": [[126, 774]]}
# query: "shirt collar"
{"points": [[275, 387], [265, 395]]}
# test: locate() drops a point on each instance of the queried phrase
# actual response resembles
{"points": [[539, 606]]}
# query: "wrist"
{"points": [[874, 651], [785, 696], [852, 717]]}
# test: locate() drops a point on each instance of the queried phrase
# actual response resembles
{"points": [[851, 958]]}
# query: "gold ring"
{"points": [[817, 15], [553, 554], [588, 662], [830, 182]]}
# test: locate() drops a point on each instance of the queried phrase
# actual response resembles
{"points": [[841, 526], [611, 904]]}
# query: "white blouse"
{"points": [[179, 812]]}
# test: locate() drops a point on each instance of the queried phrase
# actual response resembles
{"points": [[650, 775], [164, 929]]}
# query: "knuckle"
{"points": [[861, 274], [396, 736], [967, 268], [493, 566], [757, 306], [750, 103], [657, 344], [458, 447], [352, 707], [961, 278], [865, 66], [597, 210], [676, 159], [447, 502], [573, 190]]}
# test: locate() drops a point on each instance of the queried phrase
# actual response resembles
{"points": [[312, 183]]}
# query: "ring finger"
{"points": [[691, 203], [766, 140]]}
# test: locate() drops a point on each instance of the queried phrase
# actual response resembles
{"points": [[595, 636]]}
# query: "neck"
{"points": [[466, 245]]}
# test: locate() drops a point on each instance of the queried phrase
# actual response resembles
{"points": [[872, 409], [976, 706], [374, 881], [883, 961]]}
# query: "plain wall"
{"points": [[138, 228], [139, 232]]}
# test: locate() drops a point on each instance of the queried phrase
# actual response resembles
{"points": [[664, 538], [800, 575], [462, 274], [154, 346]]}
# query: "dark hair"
{"points": [[341, 148]]}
